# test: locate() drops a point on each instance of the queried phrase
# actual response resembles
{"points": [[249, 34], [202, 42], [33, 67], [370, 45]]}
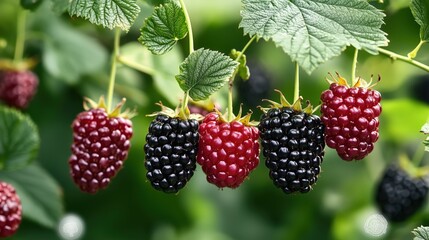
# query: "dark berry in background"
{"points": [[398, 195], [257, 87]]}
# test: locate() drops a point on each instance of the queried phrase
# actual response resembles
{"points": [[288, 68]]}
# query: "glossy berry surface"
{"points": [[351, 119], [293, 146], [398, 195], [10, 210], [228, 151], [171, 151], [17, 88], [100, 146]]}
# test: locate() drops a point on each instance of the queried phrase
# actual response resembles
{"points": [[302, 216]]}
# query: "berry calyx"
{"points": [[228, 150], [350, 115], [171, 150], [293, 145], [10, 210], [101, 141]]}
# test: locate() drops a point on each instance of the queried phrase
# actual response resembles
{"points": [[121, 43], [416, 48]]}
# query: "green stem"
{"points": [[354, 64], [135, 65], [245, 48], [188, 24], [296, 88], [113, 68], [20, 36], [413, 53], [231, 79], [396, 56], [418, 155], [184, 112]]}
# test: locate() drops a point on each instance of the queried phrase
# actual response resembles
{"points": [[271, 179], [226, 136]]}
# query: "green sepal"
{"points": [[116, 112], [297, 105]]}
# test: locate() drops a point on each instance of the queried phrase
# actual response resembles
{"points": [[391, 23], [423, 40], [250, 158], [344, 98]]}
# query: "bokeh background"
{"points": [[74, 61]]}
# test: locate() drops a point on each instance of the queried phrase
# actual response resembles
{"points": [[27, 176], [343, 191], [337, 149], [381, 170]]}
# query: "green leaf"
{"points": [[312, 32], [60, 6], [420, 11], [162, 30], [40, 195], [107, 13], [60, 57], [204, 72], [19, 139], [421, 233]]}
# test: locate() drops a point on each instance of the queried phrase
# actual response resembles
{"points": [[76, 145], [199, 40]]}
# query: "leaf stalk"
{"points": [[395, 56], [113, 68]]}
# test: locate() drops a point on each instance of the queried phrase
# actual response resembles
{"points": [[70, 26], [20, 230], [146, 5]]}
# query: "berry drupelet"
{"points": [[170, 151]]}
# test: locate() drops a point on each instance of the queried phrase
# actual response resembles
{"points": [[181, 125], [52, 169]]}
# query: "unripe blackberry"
{"points": [[398, 195], [10, 210], [228, 151], [100, 146], [293, 146], [350, 115], [170, 151], [17, 88]]}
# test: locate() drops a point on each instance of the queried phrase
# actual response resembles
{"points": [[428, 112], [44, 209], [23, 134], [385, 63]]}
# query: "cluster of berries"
{"points": [[293, 141]]}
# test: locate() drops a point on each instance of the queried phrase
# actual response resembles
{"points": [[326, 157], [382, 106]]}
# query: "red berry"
{"points": [[10, 210], [100, 145], [228, 151], [350, 115], [17, 88]]}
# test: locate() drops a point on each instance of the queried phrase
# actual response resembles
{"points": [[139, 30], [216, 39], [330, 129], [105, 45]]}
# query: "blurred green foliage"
{"points": [[73, 60]]}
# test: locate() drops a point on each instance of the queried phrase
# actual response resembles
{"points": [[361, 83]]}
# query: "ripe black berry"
{"points": [[293, 145], [171, 150], [398, 195]]}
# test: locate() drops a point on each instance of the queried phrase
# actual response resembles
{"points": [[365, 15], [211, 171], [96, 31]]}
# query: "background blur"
{"points": [[74, 59]]}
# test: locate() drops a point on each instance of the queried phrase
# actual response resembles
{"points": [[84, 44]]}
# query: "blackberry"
{"points": [[10, 210], [293, 146], [17, 88], [101, 142], [398, 195], [171, 151]]}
